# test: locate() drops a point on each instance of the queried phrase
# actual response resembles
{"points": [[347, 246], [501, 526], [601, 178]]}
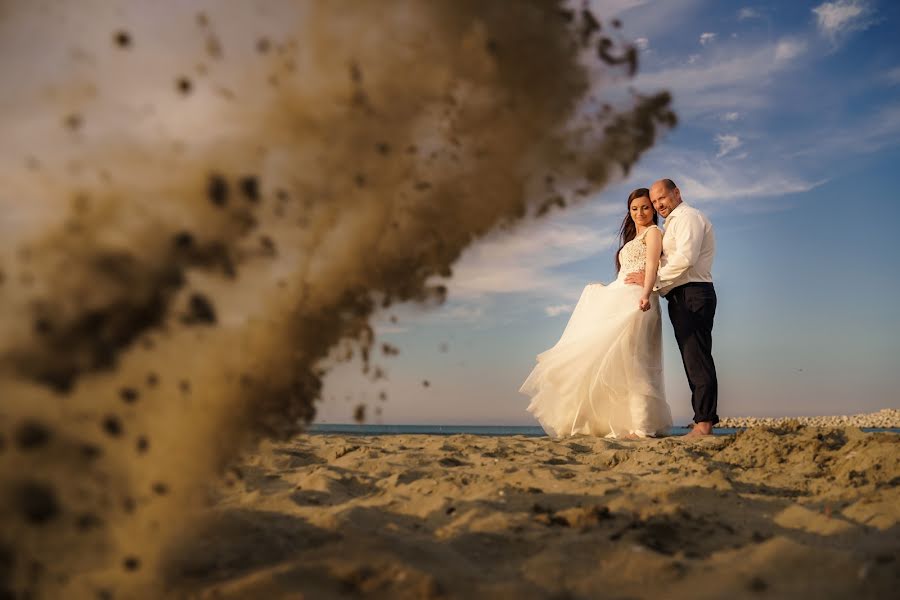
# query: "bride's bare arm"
{"points": [[653, 241]]}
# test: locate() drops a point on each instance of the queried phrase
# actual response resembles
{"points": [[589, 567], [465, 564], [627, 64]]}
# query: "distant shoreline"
{"points": [[885, 419]]}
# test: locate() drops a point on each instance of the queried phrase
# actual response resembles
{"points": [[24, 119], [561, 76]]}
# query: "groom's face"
{"points": [[664, 201]]}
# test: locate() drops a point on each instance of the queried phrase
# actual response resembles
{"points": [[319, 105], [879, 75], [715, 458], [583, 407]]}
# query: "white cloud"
{"points": [[645, 18], [748, 13], [892, 76], [642, 43], [731, 116], [703, 180], [525, 261], [708, 183], [860, 134], [603, 212], [734, 80], [787, 50], [707, 38], [462, 313], [727, 143], [613, 8], [387, 329], [558, 309], [839, 18]]}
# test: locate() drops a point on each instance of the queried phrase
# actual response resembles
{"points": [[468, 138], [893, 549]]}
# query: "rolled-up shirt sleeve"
{"points": [[680, 256]]}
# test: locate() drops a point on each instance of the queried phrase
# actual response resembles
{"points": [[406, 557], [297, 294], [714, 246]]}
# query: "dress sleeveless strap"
{"points": [[644, 233]]}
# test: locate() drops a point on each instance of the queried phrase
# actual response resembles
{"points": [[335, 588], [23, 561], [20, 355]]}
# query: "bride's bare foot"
{"points": [[701, 429], [631, 436]]}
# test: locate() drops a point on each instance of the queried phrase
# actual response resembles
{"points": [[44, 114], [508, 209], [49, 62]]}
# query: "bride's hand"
{"points": [[645, 303]]}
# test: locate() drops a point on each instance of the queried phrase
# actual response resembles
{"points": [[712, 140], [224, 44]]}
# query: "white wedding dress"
{"points": [[604, 376]]}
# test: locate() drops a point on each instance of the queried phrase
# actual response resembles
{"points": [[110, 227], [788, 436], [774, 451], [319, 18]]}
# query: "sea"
{"points": [[486, 430]]}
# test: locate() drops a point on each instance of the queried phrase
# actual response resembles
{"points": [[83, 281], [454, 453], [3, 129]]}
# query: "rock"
{"points": [[885, 418]]}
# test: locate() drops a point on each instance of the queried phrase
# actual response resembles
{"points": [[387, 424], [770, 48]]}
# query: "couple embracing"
{"points": [[604, 376]]}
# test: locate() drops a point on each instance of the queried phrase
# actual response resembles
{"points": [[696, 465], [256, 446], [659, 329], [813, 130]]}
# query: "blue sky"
{"points": [[789, 139]]}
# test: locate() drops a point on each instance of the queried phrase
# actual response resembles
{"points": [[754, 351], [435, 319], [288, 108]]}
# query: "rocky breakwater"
{"points": [[884, 418]]}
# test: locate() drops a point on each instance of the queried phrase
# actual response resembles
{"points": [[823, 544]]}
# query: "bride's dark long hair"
{"points": [[628, 229]]}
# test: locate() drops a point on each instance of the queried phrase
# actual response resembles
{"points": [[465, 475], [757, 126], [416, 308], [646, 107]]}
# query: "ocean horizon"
{"points": [[485, 430]]}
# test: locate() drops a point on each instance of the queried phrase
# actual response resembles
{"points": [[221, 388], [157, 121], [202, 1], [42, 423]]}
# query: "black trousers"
{"points": [[692, 307]]}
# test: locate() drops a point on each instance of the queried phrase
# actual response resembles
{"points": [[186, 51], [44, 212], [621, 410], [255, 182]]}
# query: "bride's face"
{"points": [[641, 211]]}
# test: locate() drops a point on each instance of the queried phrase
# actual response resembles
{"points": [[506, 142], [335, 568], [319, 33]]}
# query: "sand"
{"points": [[206, 210], [776, 513]]}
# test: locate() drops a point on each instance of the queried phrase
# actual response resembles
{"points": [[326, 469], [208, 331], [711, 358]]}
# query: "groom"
{"points": [[685, 280]]}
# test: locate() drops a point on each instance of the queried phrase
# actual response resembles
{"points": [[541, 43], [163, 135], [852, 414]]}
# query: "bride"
{"points": [[604, 376]]}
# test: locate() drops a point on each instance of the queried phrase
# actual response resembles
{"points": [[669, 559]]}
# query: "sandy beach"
{"points": [[781, 512]]}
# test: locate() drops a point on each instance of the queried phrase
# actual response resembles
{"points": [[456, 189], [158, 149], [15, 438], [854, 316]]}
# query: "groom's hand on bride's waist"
{"points": [[636, 278]]}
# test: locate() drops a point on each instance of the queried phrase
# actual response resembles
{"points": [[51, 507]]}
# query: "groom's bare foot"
{"points": [[701, 429]]}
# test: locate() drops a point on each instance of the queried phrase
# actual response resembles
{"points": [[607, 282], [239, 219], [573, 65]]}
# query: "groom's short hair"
{"points": [[670, 185]]}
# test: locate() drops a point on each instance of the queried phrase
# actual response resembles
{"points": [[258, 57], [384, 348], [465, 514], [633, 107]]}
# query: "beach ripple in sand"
{"points": [[781, 512]]}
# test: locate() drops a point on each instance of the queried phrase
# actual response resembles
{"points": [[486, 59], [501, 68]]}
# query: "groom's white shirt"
{"points": [[689, 246]]}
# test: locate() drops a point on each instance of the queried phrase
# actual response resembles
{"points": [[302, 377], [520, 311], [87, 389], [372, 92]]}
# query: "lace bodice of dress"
{"points": [[633, 255]]}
